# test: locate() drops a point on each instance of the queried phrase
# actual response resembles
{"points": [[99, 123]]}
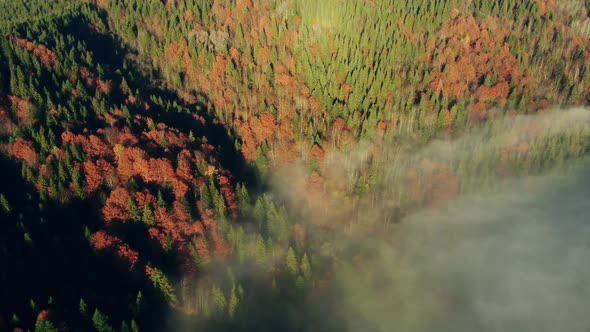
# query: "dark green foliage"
{"points": [[45, 326], [362, 61], [101, 322]]}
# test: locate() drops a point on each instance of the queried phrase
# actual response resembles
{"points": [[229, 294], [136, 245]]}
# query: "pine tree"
{"points": [[148, 216], [124, 327], [233, 303], [164, 141], [161, 283], [292, 265], [138, 302], [305, 267], [161, 200], [260, 250], [101, 322], [44, 326], [133, 210], [83, 307], [5, 205], [219, 299]]}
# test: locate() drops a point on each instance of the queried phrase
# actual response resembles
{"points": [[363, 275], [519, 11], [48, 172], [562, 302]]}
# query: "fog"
{"points": [[488, 231], [512, 259], [510, 255]]}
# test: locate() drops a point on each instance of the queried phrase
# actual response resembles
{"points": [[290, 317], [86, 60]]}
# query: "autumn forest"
{"points": [[223, 165]]}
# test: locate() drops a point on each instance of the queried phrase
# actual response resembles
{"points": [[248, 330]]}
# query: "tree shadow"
{"points": [[112, 52], [55, 259]]}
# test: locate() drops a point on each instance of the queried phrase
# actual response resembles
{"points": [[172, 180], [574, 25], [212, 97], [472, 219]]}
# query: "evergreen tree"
{"points": [[83, 307], [44, 326], [292, 265], [233, 303], [148, 216], [5, 205], [101, 322], [219, 299], [305, 267], [134, 214]]}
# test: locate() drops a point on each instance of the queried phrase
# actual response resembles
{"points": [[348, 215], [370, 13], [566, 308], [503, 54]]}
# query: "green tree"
{"points": [[260, 250], [161, 200], [305, 267], [101, 322], [5, 205], [133, 210], [233, 302], [292, 265], [219, 299], [83, 307], [148, 216], [162, 284], [44, 326]]}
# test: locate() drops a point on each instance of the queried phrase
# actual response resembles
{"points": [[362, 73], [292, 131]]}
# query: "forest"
{"points": [[293, 165]]}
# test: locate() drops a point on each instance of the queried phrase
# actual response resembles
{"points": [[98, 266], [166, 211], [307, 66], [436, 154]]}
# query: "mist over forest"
{"points": [[294, 165]]}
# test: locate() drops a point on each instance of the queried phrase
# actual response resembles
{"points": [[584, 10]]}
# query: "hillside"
{"points": [[223, 164]]}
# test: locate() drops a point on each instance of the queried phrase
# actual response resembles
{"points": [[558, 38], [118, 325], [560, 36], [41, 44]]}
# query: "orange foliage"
{"points": [[248, 140], [94, 146], [264, 126], [93, 177], [115, 208], [43, 53], [43, 315], [317, 153], [180, 189], [144, 197], [125, 138], [316, 105], [101, 240], [24, 150], [263, 56], [202, 250], [91, 80], [158, 170], [107, 171], [228, 194], [243, 4], [67, 137], [24, 111], [235, 55], [173, 137], [185, 168], [545, 6], [179, 213], [131, 162], [467, 51], [219, 67], [46, 55], [164, 220], [189, 15]]}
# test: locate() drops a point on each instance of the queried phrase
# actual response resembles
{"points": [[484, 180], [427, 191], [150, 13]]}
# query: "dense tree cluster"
{"points": [[145, 132]]}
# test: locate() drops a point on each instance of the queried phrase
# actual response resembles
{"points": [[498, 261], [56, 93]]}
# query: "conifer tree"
{"points": [[291, 261]]}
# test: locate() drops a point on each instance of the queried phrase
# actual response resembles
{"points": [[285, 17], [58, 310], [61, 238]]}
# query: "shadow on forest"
{"points": [[114, 55], [57, 261]]}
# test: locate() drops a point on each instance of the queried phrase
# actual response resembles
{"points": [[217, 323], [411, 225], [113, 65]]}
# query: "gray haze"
{"points": [[511, 257]]}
